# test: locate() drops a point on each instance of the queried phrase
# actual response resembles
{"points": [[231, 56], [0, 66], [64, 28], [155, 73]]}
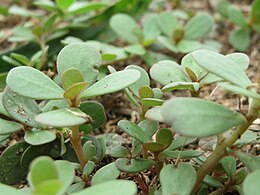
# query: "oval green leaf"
{"points": [[186, 116], [134, 131], [70, 77], [111, 83], [8, 127], [177, 180], [63, 117], [134, 165], [21, 108], [198, 27], [106, 173], [96, 111], [38, 137], [167, 71], [124, 25], [155, 114], [221, 66], [240, 39], [73, 91], [42, 169], [82, 57], [32, 83]]}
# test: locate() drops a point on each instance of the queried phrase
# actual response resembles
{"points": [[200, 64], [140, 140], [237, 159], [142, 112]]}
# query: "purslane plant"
{"points": [[64, 110], [185, 38], [53, 115]]}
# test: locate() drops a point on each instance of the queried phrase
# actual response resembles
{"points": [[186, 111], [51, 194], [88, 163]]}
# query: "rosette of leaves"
{"points": [[63, 110], [244, 24], [184, 39], [140, 38], [191, 76]]}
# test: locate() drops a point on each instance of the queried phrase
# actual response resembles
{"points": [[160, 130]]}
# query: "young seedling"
{"points": [[189, 75], [139, 38], [184, 39], [245, 25]]}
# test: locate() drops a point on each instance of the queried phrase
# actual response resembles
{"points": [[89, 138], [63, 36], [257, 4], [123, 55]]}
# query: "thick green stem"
{"points": [[76, 142], [220, 152]]}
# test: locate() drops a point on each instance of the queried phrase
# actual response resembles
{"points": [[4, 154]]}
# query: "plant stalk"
{"points": [[221, 152], [76, 142]]}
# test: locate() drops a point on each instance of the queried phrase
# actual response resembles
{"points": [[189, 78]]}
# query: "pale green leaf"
{"points": [[111, 83], [124, 26], [155, 114], [198, 27], [252, 162], [20, 11], [66, 174], [251, 183], [50, 187], [177, 180], [136, 49], [8, 127], [184, 154], [135, 165], [39, 137], [221, 66], [236, 16], [82, 57], [166, 72], [62, 117], [106, 173], [186, 46], [167, 22], [144, 79], [168, 43], [240, 39], [150, 28], [242, 60], [21, 108], [229, 165], [32, 83], [133, 130], [186, 116], [42, 169], [70, 77], [5, 189], [240, 90]]}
